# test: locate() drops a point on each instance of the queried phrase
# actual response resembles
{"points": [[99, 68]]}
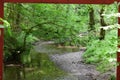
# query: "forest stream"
{"points": [[52, 63]]}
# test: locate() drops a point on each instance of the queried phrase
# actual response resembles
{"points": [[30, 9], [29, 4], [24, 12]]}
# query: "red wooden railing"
{"points": [[52, 1], [64, 1]]}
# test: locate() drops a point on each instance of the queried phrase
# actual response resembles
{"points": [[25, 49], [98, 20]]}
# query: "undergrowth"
{"points": [[102, 52]]}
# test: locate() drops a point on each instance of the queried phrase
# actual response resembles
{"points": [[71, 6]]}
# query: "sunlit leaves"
{"points": [[7, 26]]}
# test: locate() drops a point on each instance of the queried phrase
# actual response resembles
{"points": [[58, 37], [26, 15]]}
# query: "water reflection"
{"points": [[13, 73], [53, 49], [39, 66]]}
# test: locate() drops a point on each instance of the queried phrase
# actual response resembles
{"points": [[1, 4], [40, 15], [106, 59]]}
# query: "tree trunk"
{"points": [[103, 24], [14, 16], [91, 20]]}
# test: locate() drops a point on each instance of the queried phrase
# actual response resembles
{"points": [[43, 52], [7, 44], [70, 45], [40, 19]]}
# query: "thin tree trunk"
{"points": [[102, 23], [91, 19], [14, 16], [11, 16]]}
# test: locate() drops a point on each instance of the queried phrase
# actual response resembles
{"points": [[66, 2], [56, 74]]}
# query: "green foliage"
{"points": [[61, 25], [102, 52], [7, 26], [113, 77], [16, 43]]}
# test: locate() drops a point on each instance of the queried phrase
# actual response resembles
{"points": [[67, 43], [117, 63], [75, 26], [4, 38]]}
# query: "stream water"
{"points": [[48, 62], [40, 66]]}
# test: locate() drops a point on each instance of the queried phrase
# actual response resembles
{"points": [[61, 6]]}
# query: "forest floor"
{"points": [[73, 64]]}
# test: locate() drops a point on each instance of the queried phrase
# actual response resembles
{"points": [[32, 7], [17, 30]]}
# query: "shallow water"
{"points": [[39, 66], [48, 62]]}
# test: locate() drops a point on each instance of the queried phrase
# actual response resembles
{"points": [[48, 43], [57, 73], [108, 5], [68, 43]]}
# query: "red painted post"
{"points": [[118, 53], [118, 67], [1, 40]]}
